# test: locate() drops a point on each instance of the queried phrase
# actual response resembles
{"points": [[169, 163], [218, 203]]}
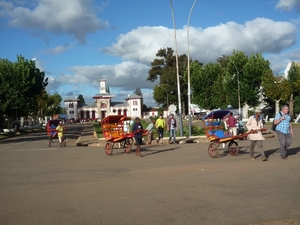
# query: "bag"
{"points": [[273, 125]]}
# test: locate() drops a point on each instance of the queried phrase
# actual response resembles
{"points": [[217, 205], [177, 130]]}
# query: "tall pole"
{"points": [[189, 72], [177, 69], [238, 80]]}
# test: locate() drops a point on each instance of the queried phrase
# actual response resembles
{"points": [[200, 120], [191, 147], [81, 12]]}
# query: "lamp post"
{"points": [[189, 72], [177, 70], [238, 81], [167, 95]]}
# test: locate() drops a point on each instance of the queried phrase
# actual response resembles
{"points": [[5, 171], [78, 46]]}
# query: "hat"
{"points": [[258, 110], [137, 118]]}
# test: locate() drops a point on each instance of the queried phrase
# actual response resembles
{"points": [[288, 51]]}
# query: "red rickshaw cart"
{"points": [[116, 129], [52, 132]]}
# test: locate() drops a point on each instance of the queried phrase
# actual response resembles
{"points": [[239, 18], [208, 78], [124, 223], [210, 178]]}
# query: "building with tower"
{"points": [[103, 106]]}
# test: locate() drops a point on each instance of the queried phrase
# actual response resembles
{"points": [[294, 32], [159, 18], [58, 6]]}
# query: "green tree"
{"points": [[7, 92], [294, 80], [207, 85], [21, 83], [49, 105], [42, 104], [138, 92], [297, 105], [81, 99], [163, 68], [276, 89], [255, 67]]}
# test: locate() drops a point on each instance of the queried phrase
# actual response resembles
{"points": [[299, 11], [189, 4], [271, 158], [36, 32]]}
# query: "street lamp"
{"points": [[167, 95], [177, 69], [189, 72], [238, 81]]}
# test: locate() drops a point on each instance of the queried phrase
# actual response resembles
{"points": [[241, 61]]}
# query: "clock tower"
{"points": [[103, 88]]}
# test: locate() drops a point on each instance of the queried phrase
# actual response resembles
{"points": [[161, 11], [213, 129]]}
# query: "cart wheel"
{"points": [[233, 148], [109, 148], [129, 141], [213, 150], [127, 148]]}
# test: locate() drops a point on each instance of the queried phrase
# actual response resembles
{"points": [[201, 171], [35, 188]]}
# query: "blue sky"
{"points": [[78, 42]]}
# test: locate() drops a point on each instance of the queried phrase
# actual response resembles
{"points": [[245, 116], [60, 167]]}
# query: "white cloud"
{"points": [[259, 35], [288, 5], [140, 46], [123, 76], [59, 49], [76, 17]]}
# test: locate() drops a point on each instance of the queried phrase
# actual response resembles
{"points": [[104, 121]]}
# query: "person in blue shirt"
{"points": [[284, 130], [137, 129]]}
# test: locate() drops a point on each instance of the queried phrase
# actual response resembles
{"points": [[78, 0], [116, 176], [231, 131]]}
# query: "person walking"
{"points": [[137, 129], [160, 125], [284, 130], [172, 128], [231, 124], [255, 124], [150, 129], [61, 133]]}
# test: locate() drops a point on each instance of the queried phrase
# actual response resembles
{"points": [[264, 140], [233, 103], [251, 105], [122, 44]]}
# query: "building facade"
{"points": [[103, 106]]}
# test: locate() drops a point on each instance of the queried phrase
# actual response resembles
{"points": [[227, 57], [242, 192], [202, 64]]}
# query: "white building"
{"points": [[103, 106]]}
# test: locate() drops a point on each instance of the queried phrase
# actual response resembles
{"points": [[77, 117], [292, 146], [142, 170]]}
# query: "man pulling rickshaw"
{"points": [[60, 133]]}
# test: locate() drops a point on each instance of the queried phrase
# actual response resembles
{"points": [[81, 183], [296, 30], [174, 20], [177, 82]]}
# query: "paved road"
{"points": [[172, 184], [38, 140]]}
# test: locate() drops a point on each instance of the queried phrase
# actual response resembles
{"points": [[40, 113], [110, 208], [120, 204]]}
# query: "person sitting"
{"points": [[52, 132]]}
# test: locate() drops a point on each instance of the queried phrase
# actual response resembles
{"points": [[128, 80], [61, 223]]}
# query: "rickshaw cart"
{"points": [[52, 132], [215, 132], [115, 130]]}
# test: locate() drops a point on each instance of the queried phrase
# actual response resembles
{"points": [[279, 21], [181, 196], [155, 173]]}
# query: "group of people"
{"points": [[160, 124], [283, 129], [254, 124]]}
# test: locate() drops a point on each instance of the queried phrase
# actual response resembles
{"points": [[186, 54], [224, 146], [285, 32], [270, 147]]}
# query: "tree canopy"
{"points": [[163, 68], [20, 85], [138, 92], [81, 99], [216, 85]]}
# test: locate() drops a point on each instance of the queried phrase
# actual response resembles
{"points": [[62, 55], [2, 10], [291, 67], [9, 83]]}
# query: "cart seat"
{"points": [[213, 123], [219, 133]]}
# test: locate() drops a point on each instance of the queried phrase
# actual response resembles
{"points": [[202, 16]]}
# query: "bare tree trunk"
{"points": [[291, 106]]}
